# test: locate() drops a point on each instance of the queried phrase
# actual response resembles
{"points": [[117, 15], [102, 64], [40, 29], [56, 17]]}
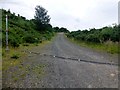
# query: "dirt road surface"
{"points": [[64, 65]]}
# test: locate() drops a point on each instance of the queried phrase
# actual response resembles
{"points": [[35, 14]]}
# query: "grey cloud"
{"points": [[102, 14]]}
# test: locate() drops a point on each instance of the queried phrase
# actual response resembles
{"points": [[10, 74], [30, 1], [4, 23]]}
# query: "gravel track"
{"points": [[61, 70]]}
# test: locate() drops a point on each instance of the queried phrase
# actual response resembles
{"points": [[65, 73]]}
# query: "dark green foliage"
{"points": [[29, 38], [106, 34], [3, 40], [97, 35], [57, 29], [15, 56], [41, 15], [92, 38], [116, 34], [14, 43], [25, 44], [41, 18], [23, 31]]}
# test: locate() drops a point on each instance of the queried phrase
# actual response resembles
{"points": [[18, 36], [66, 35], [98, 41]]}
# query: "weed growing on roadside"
{"points": [[15, 56]]}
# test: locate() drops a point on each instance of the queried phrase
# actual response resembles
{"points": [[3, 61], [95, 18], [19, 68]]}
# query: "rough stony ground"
{"points": [[59, 65]]}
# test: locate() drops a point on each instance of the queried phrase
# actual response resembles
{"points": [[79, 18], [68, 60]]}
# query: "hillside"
{"points": [[106, 38], [22, 31]]}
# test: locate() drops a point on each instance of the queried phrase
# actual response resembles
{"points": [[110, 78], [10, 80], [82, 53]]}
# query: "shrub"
{"points": [[107, 33], [25, 44], [92, 38], [40, 41], [15, 56], [3, 40], [36, 44], [13, 41], [29, 38]]}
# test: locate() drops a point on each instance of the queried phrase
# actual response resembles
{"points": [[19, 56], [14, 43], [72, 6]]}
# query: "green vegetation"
{"points": [[106, 38], [62, 29], [22, 71], [15, 56], [42, 19], [23, 35], [38, 69], [23, 31]]}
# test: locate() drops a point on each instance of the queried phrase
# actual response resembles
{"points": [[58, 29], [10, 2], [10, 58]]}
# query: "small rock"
{"points": [[78, 59], [22, 64], [89, 86], [112, 74], [36, 84]]}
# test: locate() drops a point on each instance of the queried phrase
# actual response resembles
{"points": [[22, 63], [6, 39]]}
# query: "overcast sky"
{"points": [[71, 14]]}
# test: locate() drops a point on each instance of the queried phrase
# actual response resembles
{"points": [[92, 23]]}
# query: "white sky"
{"points": [[71, 14]]}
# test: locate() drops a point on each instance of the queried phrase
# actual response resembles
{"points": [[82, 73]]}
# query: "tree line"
{"points": [[24, 31], [108, 33]]}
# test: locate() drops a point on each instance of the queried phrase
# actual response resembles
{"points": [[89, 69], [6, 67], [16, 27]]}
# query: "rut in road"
{"points": [[76, 59]]}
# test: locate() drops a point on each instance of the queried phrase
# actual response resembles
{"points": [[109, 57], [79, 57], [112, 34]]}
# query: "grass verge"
{"points": [[20, 65], [109, 47], [15, 56]]}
